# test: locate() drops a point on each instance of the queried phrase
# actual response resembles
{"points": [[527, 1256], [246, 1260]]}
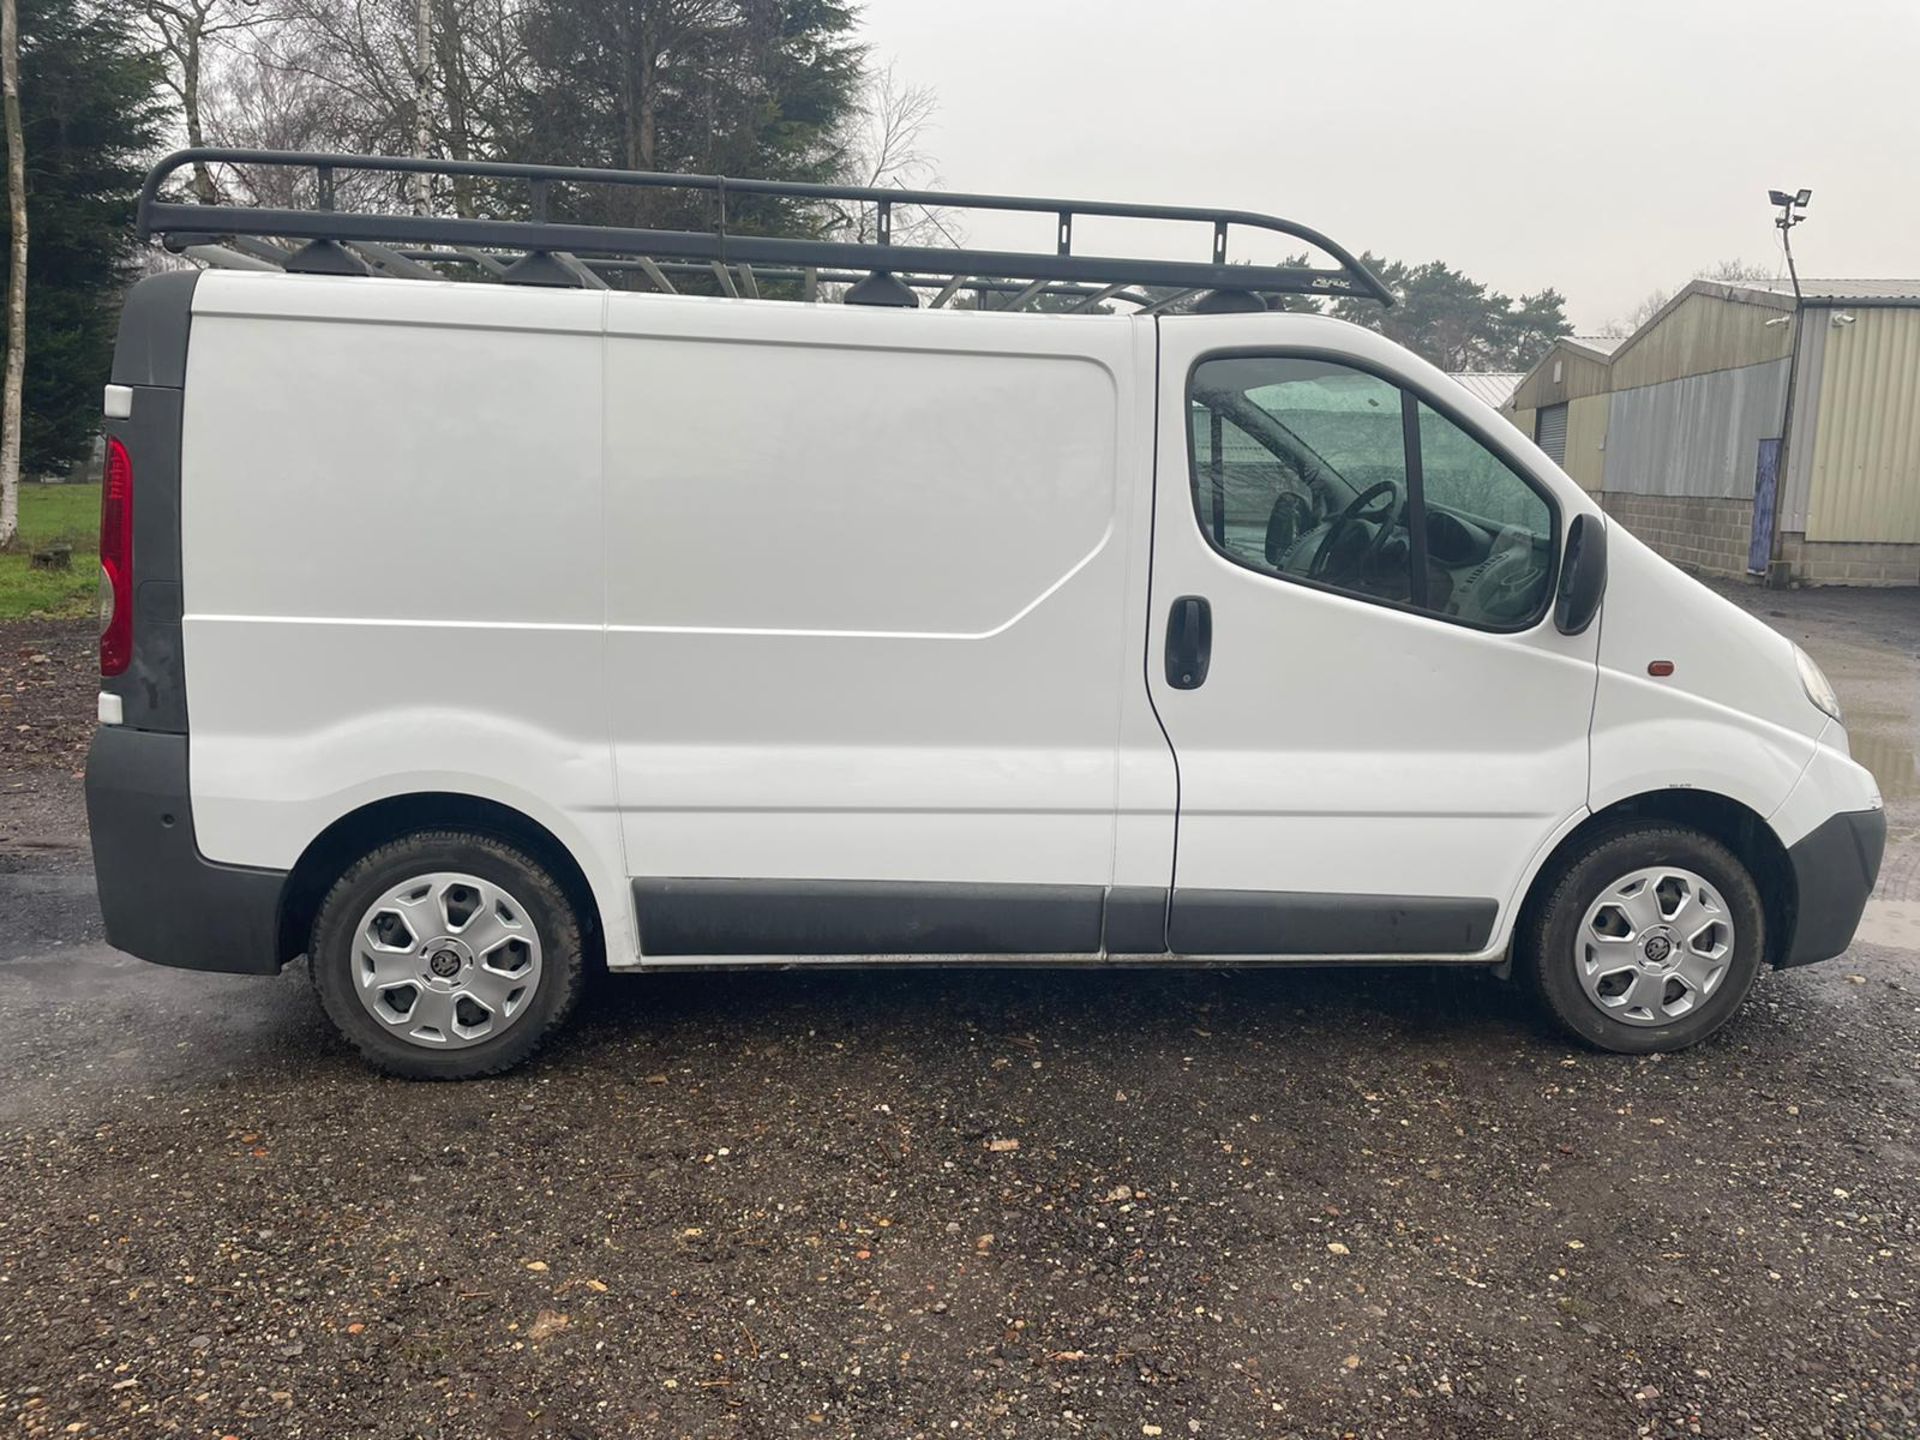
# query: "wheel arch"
{"points": [[335, 848], [1740, 828]]}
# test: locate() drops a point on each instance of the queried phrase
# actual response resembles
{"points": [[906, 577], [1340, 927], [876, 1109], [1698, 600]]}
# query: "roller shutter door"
{"points": [[1550, 432]]}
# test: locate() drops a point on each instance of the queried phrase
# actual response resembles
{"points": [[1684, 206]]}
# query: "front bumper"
{"points": [[1834, 868], [162, 900]]}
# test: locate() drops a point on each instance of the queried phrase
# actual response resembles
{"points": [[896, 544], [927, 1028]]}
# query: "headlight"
{"points": [[1819, 688]]}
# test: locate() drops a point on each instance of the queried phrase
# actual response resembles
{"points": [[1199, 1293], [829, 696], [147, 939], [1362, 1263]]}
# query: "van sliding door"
{"points": [[867, 626]]}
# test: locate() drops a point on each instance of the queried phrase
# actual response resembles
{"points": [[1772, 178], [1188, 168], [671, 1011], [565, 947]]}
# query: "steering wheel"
{"points": [[1375, 505]]}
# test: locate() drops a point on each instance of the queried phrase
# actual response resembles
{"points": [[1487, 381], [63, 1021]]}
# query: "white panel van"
{"points": [[462, 636]]}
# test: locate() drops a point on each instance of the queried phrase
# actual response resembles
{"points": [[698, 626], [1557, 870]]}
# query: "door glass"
{"points": [[1299, 470], [1489, 533]]}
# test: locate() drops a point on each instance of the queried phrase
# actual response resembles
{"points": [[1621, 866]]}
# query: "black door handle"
{"points": [[1189, 642]]}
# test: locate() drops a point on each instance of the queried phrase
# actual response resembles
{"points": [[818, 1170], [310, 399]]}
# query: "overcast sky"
{"points": [[1606, 147]]}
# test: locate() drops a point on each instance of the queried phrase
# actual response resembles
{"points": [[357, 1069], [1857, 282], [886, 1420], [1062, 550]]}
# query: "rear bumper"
{"points": [[161, 899], [1834, 868]]}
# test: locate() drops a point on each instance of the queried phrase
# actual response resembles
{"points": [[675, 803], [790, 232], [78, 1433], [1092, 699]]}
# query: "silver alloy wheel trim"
{"points": [[1655, 945], [446, 960]]}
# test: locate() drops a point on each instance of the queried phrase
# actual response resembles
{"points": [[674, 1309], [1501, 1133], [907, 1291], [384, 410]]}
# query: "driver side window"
{"points": [[1296, 463], [1314, 471]]}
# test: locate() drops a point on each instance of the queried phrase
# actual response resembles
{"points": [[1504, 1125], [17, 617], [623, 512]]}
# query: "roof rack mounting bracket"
{"points": [[544, 268], [1228, 302], [324, 257], [883, 287]]}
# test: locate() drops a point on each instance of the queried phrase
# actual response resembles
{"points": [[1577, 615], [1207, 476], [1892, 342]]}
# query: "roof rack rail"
{"points": [[555, 252]]}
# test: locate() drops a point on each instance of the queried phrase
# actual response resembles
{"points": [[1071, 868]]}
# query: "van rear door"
{"points": [[1376, 726]]}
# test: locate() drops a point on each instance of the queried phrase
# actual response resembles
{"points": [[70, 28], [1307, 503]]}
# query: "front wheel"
{"points": [[1648, 938], [446, 955]]}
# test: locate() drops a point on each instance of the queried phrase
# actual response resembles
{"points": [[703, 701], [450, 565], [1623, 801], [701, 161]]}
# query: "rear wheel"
{"points": [[1648, 938], [446, 955]]}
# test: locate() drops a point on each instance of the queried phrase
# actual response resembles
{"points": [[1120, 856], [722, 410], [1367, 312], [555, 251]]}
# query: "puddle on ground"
{"points": [[1887, 752], [1892, 923]]}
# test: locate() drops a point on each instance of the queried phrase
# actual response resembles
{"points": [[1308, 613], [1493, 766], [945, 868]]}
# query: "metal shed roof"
{"points": [[1895, 292], [1494, 387]]}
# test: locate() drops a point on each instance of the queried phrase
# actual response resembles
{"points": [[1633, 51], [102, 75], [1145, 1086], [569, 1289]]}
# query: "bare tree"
{"points": [[1732, 272], [186, 29], [1727, 272], [263, 95], [17, 276], [884, 147], [422, 97], [481, 55], [351, 73]]}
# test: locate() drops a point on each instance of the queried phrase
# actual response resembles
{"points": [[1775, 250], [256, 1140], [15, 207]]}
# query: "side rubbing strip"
{"points": [[1256, 922], [1136, 920], [719, 917], [864, 917]]}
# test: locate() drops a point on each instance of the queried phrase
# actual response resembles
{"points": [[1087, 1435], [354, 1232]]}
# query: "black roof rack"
{"points": [[560, 253]]}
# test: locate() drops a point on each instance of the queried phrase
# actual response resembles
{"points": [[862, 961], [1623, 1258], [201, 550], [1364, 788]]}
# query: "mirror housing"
{"points": [[1583, 575]]}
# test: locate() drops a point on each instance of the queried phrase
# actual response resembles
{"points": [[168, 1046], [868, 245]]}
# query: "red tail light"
{"points": [[116, 561]]}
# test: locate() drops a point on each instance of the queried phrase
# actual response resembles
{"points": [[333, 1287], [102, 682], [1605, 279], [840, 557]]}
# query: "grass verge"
{"points": [[52, 514]]}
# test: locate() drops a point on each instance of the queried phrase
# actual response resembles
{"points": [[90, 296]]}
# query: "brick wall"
{"points": [[1709, 536], [1845, 562]]}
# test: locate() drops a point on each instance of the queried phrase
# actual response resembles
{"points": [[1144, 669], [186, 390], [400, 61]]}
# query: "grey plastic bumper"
{"points": [[161, 899], [1834, 867]]}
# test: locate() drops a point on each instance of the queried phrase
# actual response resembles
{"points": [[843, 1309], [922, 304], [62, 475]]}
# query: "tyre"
{"points": [[446, 956], [1647, 938]]}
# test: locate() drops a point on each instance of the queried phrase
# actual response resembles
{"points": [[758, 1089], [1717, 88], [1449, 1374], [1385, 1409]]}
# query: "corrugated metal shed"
{"points": [[1573, 366], [1705, 327], [1494, 388], [1840, 292], [1696, 436], [1797, 484], [1587, 441], [1866, 440], [1679, 408], [1601, 345]]}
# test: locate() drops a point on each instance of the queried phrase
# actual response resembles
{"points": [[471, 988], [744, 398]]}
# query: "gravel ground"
{"points": [[1313, 1203]]}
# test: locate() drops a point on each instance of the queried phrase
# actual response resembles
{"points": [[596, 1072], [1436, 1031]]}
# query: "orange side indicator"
{"points": [[1661, 668]]}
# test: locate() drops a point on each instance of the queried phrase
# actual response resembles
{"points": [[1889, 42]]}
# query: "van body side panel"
{"points": [[866, 587], [1732, 717], [390, 527]]}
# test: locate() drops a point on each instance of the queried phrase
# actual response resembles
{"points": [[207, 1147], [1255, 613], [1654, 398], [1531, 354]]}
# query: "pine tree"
{"points": [[757, 88], [90, 112]]}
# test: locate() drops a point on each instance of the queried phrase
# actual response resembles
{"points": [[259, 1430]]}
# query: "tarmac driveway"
{"points": [[946, 1203]]}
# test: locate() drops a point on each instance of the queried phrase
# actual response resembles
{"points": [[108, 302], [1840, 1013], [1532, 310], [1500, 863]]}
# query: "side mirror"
{"points": [[1583, 575]]}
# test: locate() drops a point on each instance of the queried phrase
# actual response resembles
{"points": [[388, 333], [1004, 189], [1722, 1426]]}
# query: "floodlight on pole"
{"points": [[1793, 204]]}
